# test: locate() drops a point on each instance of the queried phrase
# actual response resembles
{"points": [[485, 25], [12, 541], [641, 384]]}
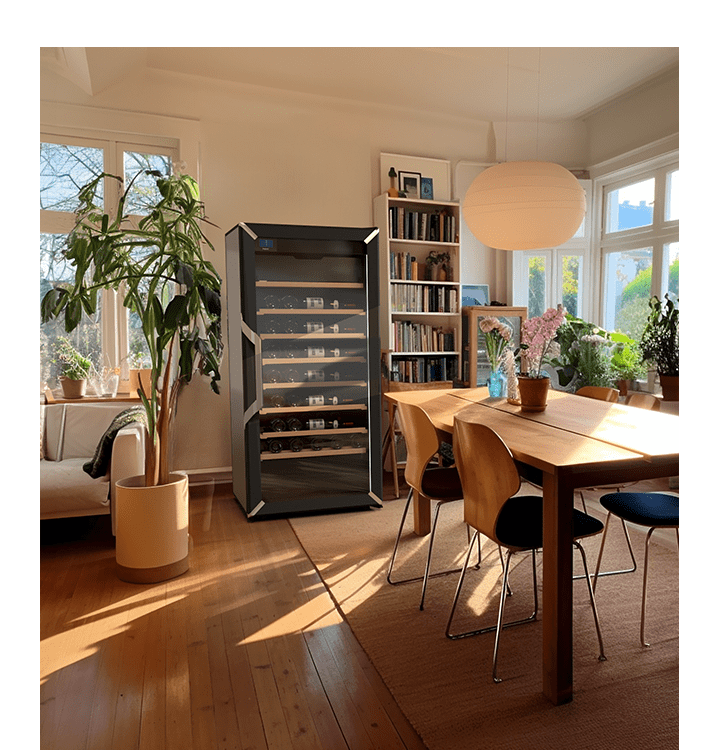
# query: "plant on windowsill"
{"points": [[659, 344], [158, 264], [626, 363], [74, 366]]}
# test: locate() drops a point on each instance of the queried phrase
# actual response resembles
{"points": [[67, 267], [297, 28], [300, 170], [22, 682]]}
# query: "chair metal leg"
{"points": [[597, 574], [644, 587], [602, 657], [426, 576]]}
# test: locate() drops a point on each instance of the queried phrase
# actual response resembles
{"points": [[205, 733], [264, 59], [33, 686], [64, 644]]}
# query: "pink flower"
{"points": [[537, 334]]}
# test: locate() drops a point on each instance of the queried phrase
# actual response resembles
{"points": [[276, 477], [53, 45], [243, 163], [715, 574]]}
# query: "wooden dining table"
{"points": [[576, 442]]}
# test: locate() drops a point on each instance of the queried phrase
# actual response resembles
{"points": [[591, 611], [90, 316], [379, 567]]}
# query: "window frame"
{"points": [[115, 316], [657, 235]]}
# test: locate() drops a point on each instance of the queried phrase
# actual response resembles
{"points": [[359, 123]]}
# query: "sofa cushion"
{"points": [[54, 420], [66, 490], [85, 424]]}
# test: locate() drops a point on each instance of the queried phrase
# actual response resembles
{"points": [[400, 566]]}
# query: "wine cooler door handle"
{"points": [[256, 341]]}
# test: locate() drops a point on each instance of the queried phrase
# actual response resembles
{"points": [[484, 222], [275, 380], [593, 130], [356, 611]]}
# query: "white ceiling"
{"points": [[549, 83]]}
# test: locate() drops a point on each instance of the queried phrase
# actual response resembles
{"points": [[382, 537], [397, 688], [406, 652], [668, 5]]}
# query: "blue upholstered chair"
{"points": [[653, 510]]}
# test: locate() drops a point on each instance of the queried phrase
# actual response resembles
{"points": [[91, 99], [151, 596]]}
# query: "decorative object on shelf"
{"points": [[106, 381], [497, 338], [158, 258], [392, 191], [524, 205], [437, 264], [537, 336], [409, 184], [75, 368], [427, 191], [660, 344]]}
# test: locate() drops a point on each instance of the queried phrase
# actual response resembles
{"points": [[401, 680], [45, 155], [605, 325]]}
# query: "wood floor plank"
{"points": [[246, 650]]}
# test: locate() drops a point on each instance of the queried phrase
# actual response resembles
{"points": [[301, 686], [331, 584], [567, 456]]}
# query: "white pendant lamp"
{"points": [[524, 205]]}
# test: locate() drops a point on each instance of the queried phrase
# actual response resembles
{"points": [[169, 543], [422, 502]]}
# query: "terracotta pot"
{"points": [[533, 393], [152, 529], [73, 388], [670, 387]]}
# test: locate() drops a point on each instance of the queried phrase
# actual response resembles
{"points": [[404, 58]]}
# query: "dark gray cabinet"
{"points": [[304, 358]]}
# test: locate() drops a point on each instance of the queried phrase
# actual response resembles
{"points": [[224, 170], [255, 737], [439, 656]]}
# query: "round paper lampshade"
{"points": [[524, 205]]}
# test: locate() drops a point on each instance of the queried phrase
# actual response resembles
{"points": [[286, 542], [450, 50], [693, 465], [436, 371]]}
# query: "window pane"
{"points": [[86, 338], [670, 272], [571, 279], [631, 206], [537, 293], [144, 189], [63, 171], [627, 283], [672, 200]]}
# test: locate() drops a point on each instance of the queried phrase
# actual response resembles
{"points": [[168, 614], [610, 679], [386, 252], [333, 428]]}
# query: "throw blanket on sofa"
{"points": [[97, 467]]}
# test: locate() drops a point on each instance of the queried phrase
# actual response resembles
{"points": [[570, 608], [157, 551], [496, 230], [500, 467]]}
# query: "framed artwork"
{"points": [[475, 295], [409, 183], [426, 191]]}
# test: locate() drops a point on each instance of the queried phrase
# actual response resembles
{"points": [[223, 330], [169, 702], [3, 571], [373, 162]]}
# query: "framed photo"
{"points": [[409, 183], [426, 190], [475, 295]]}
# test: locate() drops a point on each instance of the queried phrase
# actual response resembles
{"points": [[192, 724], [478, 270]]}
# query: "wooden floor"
{"points": [[246, 650]]}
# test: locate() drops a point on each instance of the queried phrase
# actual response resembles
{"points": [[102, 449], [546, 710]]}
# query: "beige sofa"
{"points": [[70, 434]]}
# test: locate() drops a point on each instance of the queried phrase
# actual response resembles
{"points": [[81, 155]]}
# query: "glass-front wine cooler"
{"points": [[304, 354]]}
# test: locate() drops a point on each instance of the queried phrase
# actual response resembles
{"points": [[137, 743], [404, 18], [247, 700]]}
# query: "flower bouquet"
{"points": [[498, 337], [537, 337]]}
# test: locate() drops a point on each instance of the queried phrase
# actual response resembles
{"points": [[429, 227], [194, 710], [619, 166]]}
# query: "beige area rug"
{"points": [[445, 687]]}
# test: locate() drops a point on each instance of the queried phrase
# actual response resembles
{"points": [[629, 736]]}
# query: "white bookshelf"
{"points": [[418, 316]]}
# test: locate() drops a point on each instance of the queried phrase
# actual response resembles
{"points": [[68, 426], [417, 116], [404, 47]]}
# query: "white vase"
{"points": [[152, 529]]}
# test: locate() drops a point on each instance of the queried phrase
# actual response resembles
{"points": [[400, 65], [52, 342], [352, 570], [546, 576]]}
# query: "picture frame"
{"points": [[410, 184], [426, 189], [475, 295]]}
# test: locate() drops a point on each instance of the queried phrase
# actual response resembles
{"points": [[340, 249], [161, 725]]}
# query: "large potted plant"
{"points": [[157, 263], [660, 344]]}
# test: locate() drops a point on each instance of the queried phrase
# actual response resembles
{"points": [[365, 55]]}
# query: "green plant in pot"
{"points": [[659, 344], [157, 263], [626, 363], [437, 262], [75, 368]]}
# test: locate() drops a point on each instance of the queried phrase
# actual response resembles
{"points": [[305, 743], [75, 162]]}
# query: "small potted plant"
{"points": [[437, 266], [537, 336], [659, 344], [75, 368], [626, 363]]}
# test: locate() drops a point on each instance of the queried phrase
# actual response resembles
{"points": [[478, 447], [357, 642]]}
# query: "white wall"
{"points": [[280, 157]]}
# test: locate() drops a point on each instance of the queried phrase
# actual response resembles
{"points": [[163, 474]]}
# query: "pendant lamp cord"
{"points": [[539, 66], [506, 111]]}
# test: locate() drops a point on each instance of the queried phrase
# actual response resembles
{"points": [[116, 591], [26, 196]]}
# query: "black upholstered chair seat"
{"points": [[519, 523], [442, 484], [643, 508]]}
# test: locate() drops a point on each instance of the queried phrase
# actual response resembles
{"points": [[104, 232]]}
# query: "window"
{"points": [[639, 243], [547, 278], [67, 164]]}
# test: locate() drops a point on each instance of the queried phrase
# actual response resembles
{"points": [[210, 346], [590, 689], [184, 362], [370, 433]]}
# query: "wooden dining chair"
{"points": [[653, 510], [440, 485], [599, 392], [490, 481], [644, 401]]}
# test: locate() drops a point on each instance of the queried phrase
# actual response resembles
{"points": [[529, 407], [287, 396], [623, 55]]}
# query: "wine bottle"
{"points": [[278, 425], [290, 302], [315, 375], [296, 445], [274, 445], [325, 442], [272, 376], [271, 302], [294, 424]]}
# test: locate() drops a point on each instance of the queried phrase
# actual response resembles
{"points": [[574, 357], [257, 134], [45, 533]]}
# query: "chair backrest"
{"points": [[644, 401], [421, 439], [598, 392], [487, 471]]}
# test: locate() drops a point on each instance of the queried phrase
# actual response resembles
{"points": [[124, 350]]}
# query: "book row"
{"points": [[421, 298], [430, 226], [419, 337], [424, 369]]}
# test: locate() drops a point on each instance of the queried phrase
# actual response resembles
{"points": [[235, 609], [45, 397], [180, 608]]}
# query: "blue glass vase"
{"points": [[497, 384]]}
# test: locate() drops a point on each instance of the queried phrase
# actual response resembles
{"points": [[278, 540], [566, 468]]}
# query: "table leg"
{"points": [[422, 508], [557, 590]]}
